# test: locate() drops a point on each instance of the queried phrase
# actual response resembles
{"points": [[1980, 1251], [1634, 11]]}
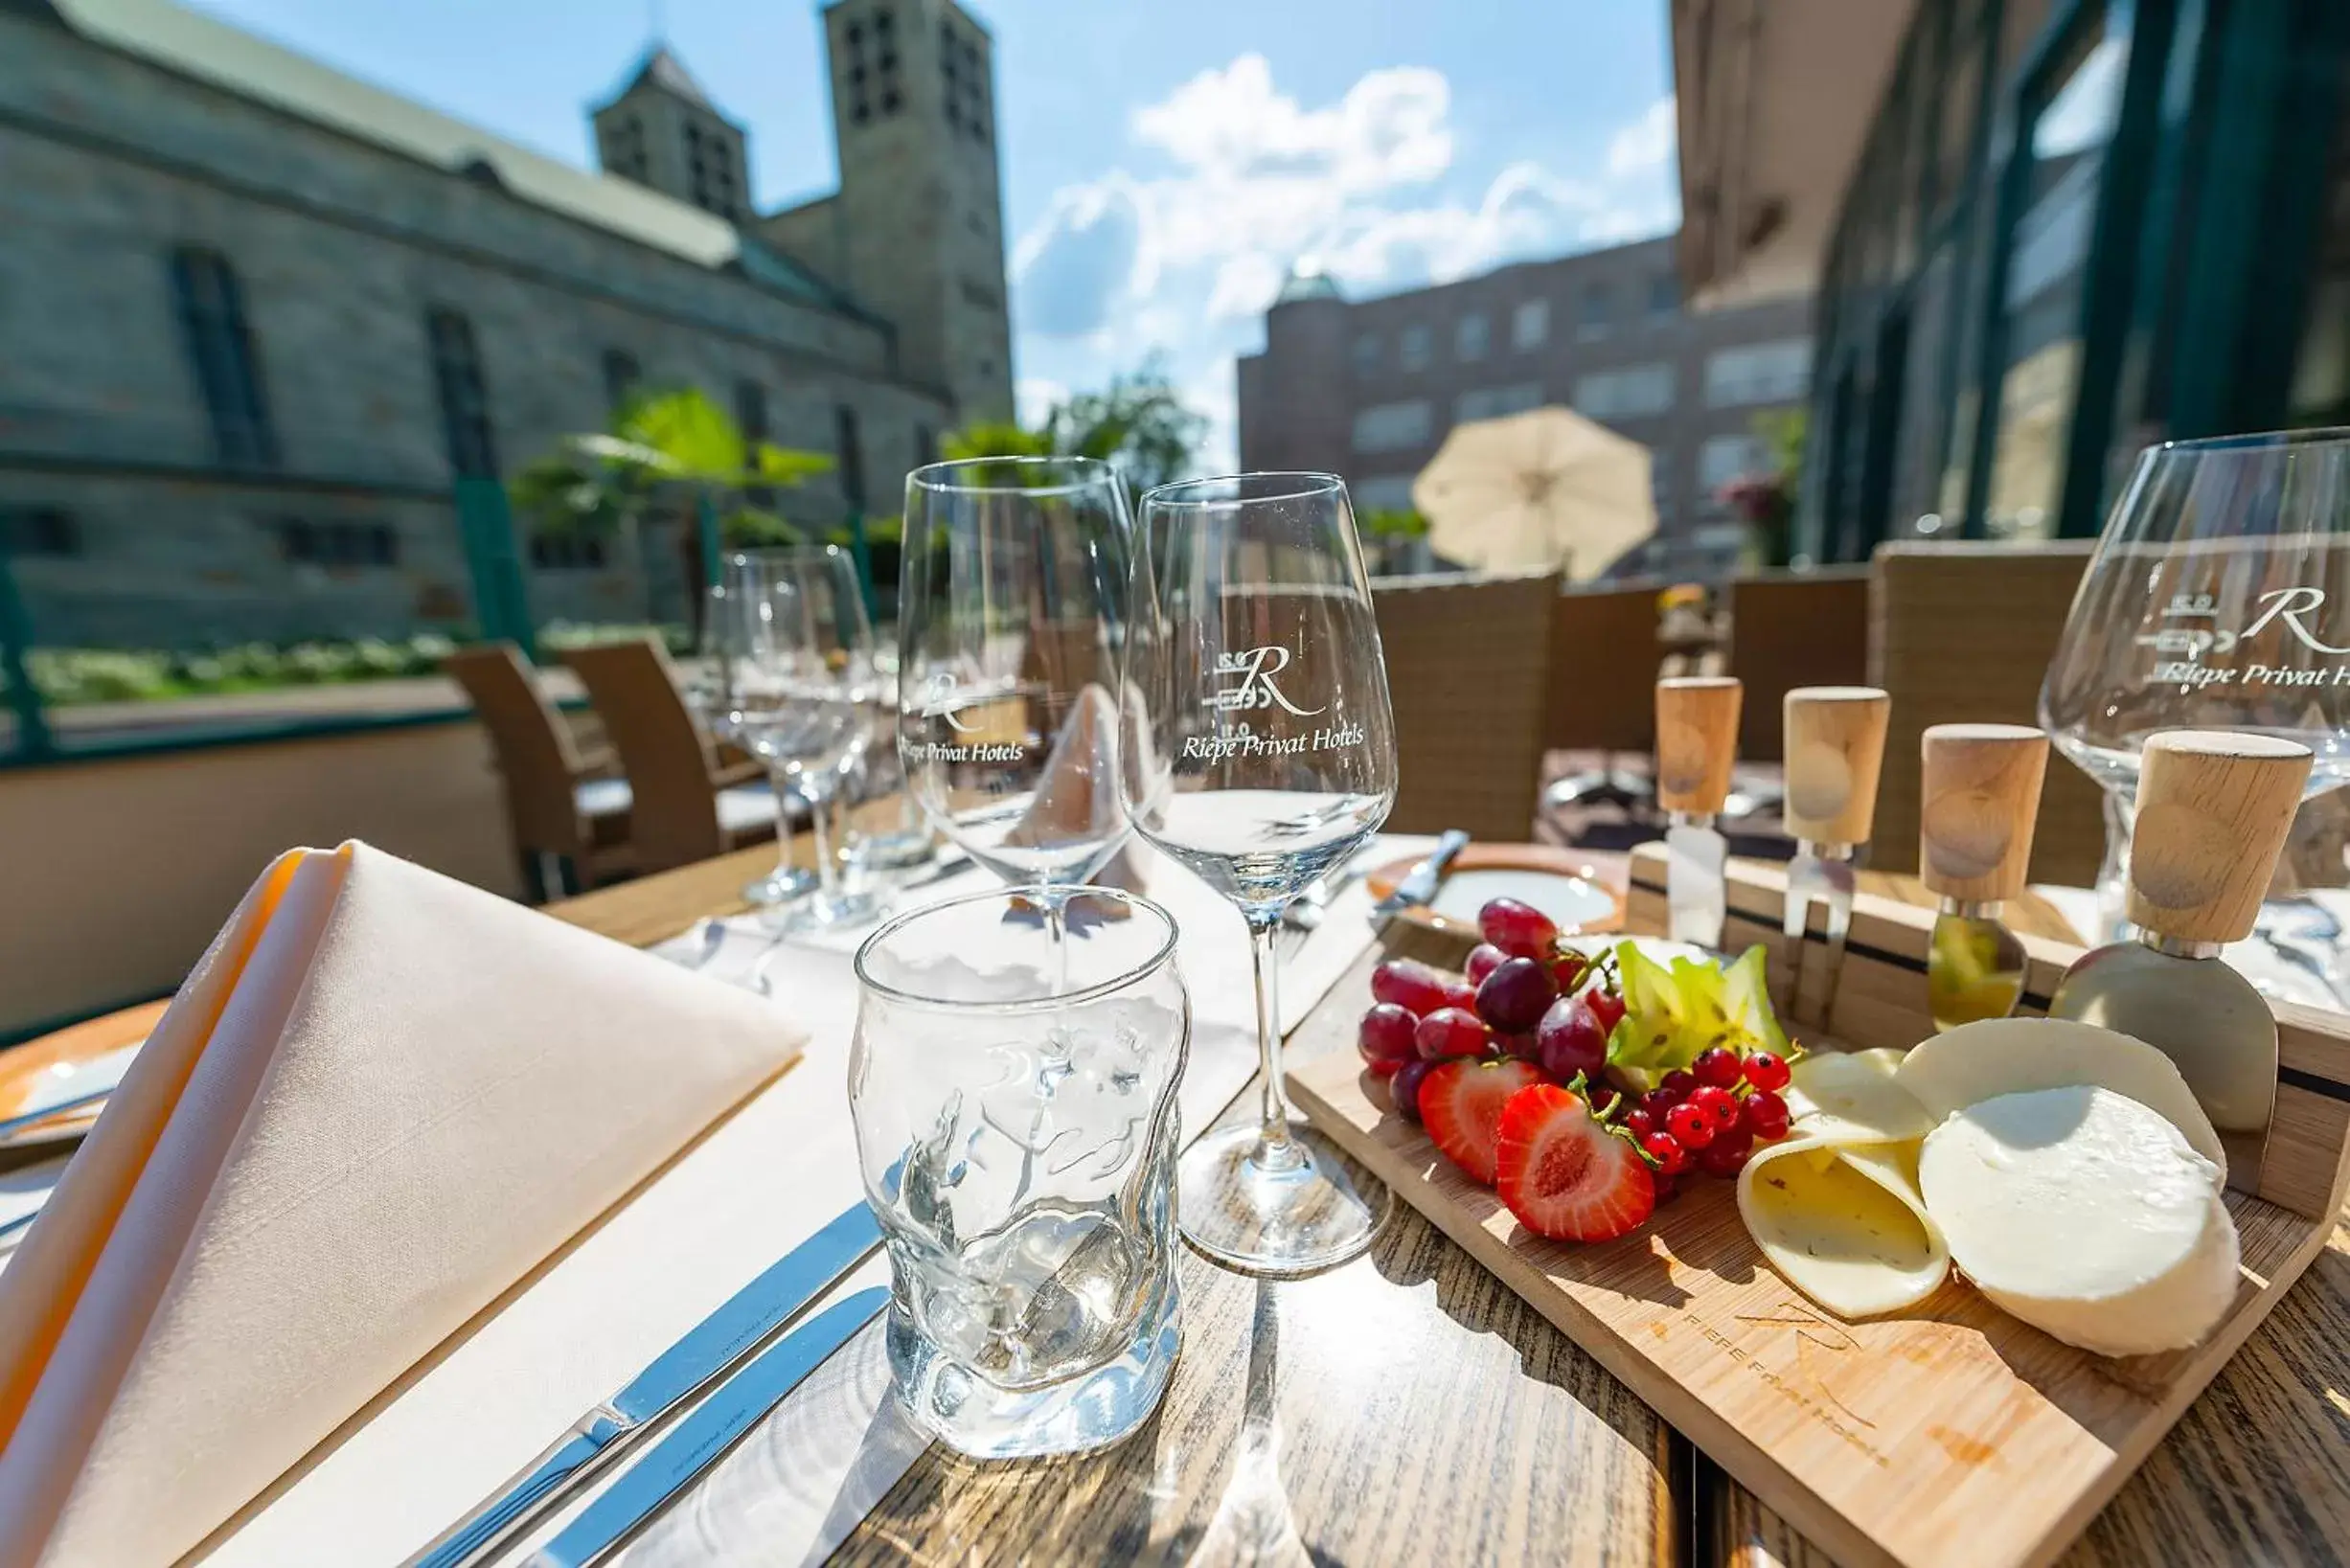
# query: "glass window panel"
{"points": [[2043, 305], [1469, 336], [1412, 349], [1759, 373], [1386, 427], [1530, 325], [1629, 391]]}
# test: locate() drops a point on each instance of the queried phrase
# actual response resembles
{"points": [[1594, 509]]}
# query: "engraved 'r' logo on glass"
{"points": [[941, 700], [1255, 669]]}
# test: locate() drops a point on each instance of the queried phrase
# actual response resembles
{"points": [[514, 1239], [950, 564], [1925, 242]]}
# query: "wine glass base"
{"points": [[779, 886], [817, 911], [1274, 1216]]}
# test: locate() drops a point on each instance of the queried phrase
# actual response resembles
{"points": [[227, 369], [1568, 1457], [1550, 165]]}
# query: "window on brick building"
{"points": [[219, 345], [465, 398], [849, 454], [1594, 310], [1759, 373], [302, 541], [1530, 325], [1626, 392], [39, 530], [621, 374], [1469, 336], [567, 550], [1387, 428], [1411, 348], [1366, 354]]}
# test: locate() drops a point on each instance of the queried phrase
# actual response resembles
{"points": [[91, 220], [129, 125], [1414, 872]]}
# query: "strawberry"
{"points": [[1564, 1174], [1460, 1103]]}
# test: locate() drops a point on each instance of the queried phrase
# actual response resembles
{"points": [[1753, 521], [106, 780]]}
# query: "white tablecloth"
{"points": [[762, 1181]]}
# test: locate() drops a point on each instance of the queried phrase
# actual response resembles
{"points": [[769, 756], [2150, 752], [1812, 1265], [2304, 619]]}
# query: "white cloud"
{"points": [[1648, 144], [1187, 257], [1033, 398]]}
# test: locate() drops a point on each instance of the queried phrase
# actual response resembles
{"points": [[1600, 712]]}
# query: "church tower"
{"points": [[661, 131], [916, 227]]}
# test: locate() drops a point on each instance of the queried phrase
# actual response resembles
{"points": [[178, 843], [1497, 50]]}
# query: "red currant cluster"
{"points": [[1712, 1113]]}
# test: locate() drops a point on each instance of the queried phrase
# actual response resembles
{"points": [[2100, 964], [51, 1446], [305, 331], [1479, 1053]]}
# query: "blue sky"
{"points": [[1164, 160]]}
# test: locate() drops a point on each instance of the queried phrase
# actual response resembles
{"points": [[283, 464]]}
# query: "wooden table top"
{"points": [[1407, 1408]]}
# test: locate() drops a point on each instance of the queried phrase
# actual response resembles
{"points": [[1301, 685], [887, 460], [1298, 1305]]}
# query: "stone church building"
{"points": [[258, 319]]}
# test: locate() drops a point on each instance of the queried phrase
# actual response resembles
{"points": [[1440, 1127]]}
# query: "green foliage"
{"points": [[1394, 525], [68, 675], [1139, 422], [1782, 433], [665, 441]]}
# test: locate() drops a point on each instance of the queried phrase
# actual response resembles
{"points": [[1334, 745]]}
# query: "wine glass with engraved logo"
{"points": [[2218, 598], [1011, 613], [1259, 751]]}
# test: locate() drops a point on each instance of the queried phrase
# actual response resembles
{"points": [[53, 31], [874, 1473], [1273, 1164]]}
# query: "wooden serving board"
{"points": [[1950, 1435]]}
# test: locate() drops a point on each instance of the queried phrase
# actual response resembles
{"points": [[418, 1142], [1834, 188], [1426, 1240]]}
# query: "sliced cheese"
{"points": [[2012, 1056], [1851, 1231], [1854, 1097], [2086, 1214]]}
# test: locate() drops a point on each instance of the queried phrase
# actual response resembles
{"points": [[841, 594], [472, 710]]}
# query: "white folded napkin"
{"points": [[381, 1100]]}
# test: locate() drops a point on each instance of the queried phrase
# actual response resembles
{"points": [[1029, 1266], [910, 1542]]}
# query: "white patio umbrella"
{"points": [[1545, 488]]}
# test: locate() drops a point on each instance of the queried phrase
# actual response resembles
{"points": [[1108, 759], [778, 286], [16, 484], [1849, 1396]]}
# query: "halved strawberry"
{"points": [[1564, 1174], [1460, 1103]]}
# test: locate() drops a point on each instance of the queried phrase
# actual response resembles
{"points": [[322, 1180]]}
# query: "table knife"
{"points": [[2214, 807], [1697, 743], [1980, 797], [699, 1441], [1836, 746], [1419, 883], [707, 1352]]}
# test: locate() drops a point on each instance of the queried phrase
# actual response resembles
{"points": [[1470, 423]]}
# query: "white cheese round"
{"points": [[2084, 1213], [2008, 1056]]}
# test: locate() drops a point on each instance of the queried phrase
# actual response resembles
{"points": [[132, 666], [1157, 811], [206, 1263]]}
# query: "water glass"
{"points": [[1014, 1096]]}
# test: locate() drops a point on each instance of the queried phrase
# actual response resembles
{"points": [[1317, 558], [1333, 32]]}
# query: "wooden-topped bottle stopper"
{"points": [[1980, 801], [2214, 807], [1696, 740], [1836, 746]]}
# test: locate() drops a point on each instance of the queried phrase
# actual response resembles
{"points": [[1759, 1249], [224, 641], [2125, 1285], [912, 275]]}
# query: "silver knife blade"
{"points": [[707, 1352], [1830, 880], [1696, 901], [1419, 884], [701, 1437]]}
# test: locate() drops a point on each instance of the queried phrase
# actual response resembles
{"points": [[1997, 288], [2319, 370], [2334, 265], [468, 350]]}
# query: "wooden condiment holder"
{"points": [[1696, 740], [2214, 807], [1981, 797], [1836, 747]]}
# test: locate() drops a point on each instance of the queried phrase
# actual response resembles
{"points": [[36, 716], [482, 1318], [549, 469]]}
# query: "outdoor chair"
{"points": [[1468, 675], [1603, 657], [1789, 629], [568, 811], [1963, 633], [689, 804]]}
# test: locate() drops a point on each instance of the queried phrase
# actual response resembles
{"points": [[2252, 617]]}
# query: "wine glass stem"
{"points": [[819, 831], [1054, 901], [1275, 1147]]}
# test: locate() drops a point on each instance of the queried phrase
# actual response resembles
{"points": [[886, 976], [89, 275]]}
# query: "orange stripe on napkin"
{"points": [[19, 1378]]}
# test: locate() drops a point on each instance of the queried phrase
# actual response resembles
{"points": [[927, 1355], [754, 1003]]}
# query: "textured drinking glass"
{"points": [[2218, 598], [799, 679], [1259, 752], [1014, 1104], [1011, 615]]}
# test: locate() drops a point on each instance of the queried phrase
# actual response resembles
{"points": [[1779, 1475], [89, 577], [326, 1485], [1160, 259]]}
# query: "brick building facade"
{"points": [[257, 318], [1368, 388]]}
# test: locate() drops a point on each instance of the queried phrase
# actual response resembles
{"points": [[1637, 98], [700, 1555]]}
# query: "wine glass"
{"points": [[2218, 598], [704, 679], [800, 677], [1011, 611], [1259, 752]]}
